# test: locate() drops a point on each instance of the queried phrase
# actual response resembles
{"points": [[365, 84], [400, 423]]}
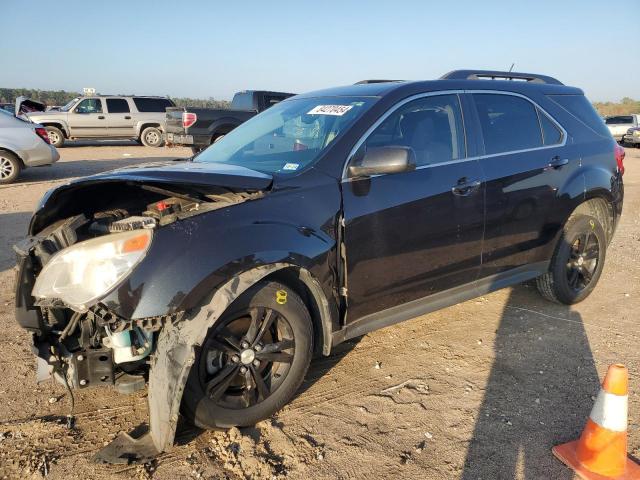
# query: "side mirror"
{"points": [[384, 160]]}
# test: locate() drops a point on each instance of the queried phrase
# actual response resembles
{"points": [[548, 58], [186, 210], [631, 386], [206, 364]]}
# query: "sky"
{"points": [[203, 49]]}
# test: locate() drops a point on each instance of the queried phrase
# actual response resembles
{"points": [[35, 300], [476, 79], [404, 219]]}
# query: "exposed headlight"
{"points": [[636, 133], [83, 273]]}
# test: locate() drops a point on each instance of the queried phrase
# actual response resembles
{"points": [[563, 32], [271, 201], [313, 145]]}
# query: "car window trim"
{"points": [[392, 109]]}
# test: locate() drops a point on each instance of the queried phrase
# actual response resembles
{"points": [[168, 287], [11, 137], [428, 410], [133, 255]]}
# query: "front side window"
{"points": [[89, 105], [508, 123], [117, 105], [431, 126], [289, 136]]}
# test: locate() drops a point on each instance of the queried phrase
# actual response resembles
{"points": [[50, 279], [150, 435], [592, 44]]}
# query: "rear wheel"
{"points": [[152, 137], [252, 361], [577, 263], [10, 167], [56, 137]]}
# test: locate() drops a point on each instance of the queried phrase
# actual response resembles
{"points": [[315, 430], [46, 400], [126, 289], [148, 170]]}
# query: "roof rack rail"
{"points": [[364, 82], [496, 74]]}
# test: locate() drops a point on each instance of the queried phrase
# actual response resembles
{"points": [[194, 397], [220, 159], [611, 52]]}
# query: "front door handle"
{"points": [[465, 187], [557, 162], [127, 117], [101, 117]]}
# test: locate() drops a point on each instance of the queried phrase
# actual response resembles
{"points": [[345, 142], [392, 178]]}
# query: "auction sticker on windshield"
{"points": [[338, 110]]}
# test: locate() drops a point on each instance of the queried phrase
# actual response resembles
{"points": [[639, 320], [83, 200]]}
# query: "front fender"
{"points": [[190, 258]]}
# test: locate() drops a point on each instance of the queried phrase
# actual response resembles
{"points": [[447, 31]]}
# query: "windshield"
{"points": [[68, 106], [289, 136]]}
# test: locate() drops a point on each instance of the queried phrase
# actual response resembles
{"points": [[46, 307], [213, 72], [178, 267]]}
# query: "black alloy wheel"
{"points": [[247, 358], [583, 261], [252, 360]]}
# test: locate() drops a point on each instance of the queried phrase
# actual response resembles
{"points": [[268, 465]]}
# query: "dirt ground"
{"points": [[481, 390]]}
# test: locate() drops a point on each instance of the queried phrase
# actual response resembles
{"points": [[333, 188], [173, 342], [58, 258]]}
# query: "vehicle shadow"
{"points": [[539, 391], [100, 143]]}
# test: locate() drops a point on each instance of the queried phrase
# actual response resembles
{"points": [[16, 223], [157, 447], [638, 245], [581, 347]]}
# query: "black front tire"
{"points": [[577, 262], [56, 137], [238, 405]]}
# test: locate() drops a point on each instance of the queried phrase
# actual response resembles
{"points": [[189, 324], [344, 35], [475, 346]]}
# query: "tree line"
{"points": [[61, 97]]}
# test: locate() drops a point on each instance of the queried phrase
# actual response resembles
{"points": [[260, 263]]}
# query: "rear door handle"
{"points": [[127, 117], [557, 162], [465, 187], [101, 117]]}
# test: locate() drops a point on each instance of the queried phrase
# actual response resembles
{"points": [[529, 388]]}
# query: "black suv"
{"points": [[327, 216]]}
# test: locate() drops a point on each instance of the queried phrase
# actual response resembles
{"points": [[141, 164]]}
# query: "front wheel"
{"points": [[577, 263], [152, 137], [56, 137], [252, 361]]}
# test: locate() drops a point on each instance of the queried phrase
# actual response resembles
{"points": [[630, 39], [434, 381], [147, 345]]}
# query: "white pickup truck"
{"points": [[619, 124]]}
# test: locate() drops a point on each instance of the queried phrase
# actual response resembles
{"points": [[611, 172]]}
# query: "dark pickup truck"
{"points": [[200, 127]]}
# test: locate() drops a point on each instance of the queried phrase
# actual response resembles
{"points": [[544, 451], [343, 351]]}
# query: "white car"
{"points": [[22, 145], [619, 124]]}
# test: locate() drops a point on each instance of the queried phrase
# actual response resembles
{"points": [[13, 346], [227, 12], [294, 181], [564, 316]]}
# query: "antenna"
{"points": [[511, 68]]}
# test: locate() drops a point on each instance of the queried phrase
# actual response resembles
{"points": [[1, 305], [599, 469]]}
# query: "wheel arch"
{"points": [[324, 318], [143, 125], [59, 125], [13, 152]]}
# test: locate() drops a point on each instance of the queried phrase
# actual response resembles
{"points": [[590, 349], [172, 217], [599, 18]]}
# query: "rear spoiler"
{"points": [[26, 105]]}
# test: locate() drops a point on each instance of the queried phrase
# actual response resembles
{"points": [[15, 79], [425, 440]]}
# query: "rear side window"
{"points": [[551, 134], [580, 108], [508, 123], [152, 104], [117, 105]]}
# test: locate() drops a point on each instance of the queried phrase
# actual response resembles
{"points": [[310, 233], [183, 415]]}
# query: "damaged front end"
{"points": [[84, 244]]}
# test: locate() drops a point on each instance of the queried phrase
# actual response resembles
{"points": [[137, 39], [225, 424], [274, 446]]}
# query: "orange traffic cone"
{"points": [[601, 451]]}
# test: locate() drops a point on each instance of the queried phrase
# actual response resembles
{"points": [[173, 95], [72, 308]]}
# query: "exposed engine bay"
{"points": [[67, 266]]}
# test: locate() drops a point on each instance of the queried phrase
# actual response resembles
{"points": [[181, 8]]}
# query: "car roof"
{"points": [[381, 88]]}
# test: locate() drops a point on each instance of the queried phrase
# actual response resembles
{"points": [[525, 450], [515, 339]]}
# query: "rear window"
{"points": [[620, 120], [580, 108], [152, 104], [242, 101], [509, 123], [117, 105]]}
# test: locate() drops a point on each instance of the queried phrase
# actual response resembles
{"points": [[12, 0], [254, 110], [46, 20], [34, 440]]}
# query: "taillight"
{"points": [[42, 133], [188, 119], [619, 151]]}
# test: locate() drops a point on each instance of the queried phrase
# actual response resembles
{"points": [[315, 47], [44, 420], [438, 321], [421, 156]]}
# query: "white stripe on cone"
{"points": [[610, 411]]}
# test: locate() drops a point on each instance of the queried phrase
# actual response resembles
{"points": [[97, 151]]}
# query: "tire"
{"points": [[56, 137], [152, 137], [220, 365], [10, 167], [577, 262]]}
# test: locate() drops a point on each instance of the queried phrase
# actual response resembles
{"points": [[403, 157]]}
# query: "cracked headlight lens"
{"points": [[83, 273]]}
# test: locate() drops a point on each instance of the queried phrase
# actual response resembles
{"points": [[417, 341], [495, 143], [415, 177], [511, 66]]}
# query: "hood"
{"points": [[99, 191], [25, 105], [196, 174]]}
